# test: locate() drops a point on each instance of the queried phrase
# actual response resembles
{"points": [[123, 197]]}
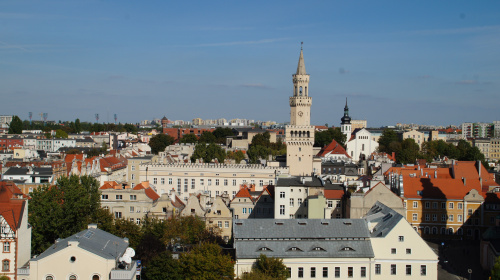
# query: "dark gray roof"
{"points": [[304, 249], [302, 238], [300, 228], [93, 240], [385, 218], [38, 171], [297, 181]]}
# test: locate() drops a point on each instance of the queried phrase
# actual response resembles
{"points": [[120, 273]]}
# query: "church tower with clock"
{"points": [[299, 135]]}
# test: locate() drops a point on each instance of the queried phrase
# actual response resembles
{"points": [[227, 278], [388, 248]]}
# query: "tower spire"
{"points": [[301, 67]]}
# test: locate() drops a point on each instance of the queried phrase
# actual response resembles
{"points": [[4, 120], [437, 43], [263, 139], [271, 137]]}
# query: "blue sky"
{"points": [[426, 62]]}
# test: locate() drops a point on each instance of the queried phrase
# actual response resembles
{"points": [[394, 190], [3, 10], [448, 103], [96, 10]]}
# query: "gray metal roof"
{"points": [[93, 240], [297, 181], [38, 171], [385, 218], [300, 228], [304, 249]]}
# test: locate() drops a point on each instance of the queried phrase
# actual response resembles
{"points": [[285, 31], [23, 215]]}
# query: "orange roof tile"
{"points": [[11, 206], [333, 148], [334, 194]]}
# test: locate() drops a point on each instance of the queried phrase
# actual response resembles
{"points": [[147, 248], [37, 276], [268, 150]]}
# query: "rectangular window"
{"points": [[427, 204], [133, 197], [225, 182], [118, 215], [427, 217], [313, 272], [363, 271], [170, 181], [469, 211], [434, 217], [138, 221], [219, 224], [443, 217], [261, 183], [325, 272], [104, 196], [155, 180], [443, 205], [282, 209], [234, 182], [393, 269], [289, 272], [450, 205], [244, 211], [216, 182], [450, 217], [5, 265], [434, 205], [415, 217], [408, 269], [133, 167], [350, 272], [226, 224], [459, 205], [393, 251], [299, 201], [415, 204], [301, 272], [291, 202], [337, 272], [6, 247], [459, 218], [339, 203], [401, 238], [378, 268], [118, 197], [282, 194], [423, 270], [330, 204], [163, 181], [132, 209], [209, 182], [408, 251]]}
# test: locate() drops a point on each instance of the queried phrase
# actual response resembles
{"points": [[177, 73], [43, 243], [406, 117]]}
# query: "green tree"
{"points": [[238, 156], [221, 134], [16, 126], [159, 142], [126, 228], [207, 137], [261, 139], [495, 271], [323, 138], [208, 152], [207, 261], [130, 128], [61, 134], [78, 126], [388, 137], [272, 267], [163, 267], [62, 210], [409, 151], [189, 138]]}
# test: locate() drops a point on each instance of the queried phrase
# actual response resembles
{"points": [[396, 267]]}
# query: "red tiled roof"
{"points": [[334, 194], [151, 194], [333, 148], [11, 206]]}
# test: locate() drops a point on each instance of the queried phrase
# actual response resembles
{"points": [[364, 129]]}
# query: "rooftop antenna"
{"points": [[301, 44], [45, 115], [97, 118], [31, 116], [116, 118]]}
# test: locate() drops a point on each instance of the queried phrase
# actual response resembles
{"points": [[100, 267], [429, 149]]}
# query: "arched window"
{"points": [[295, 91], [300, 133], [5, 265], [96, 277], [443, 230], [300, 91], [72, 277], [305, 93], [308, 134], [427, 230], [50, 277], [460, 231], [434, 230], [450, 231]]}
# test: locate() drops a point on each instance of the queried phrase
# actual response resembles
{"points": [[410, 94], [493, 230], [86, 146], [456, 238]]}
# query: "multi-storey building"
{"points": [[494, 149], [382, 245], [444, 202], [249, 204], [215, 179], [15, 237]]}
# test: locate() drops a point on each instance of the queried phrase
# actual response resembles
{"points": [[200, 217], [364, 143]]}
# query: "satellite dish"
{"points": [[130, 252], [127, 259]]}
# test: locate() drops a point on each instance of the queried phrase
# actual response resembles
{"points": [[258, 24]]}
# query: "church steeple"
{"points": [[301, 67], [345, 125]]}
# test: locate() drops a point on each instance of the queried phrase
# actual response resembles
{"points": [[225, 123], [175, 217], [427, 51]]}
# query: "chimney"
{"points": [[463, 179], [479, 167], [435, 173], [92, 226], [421, 172]]}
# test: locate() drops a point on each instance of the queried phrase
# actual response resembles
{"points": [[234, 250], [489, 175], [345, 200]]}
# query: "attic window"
{"points": [[279, 223], [303, 223], [294, 249], [88, 234], [347, 249], [239, 224], [318, 249], [419, 193], [325, 223], [347, 223], [265, 249]]}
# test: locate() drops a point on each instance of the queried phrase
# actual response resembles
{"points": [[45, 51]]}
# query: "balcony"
{"points": [[124, 274]]}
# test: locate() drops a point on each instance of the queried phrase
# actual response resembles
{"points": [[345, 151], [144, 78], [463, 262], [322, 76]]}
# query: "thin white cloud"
{"points": [[238, 43], [452, 31]]}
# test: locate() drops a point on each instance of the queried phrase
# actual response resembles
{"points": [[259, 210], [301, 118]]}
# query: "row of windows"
{"points": [[72, 277], [445, 217], [118, 197], [451, 205], [324, 272]]}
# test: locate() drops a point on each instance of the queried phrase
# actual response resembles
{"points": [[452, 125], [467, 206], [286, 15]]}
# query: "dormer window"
{"points": [[347, 249], [295, 249], [265, 249], [318, 249]]}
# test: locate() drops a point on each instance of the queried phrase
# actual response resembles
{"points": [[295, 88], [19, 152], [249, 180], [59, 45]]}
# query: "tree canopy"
{"points": [[495, 271], [63, 209], [207, 137], [61, 134], [208, 152], [261, 148], [189, 138], [159, 142], [323, 138], [16, 125]]}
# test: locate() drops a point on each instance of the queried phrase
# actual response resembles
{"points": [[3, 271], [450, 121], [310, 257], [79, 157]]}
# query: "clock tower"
{"points": [[300, 134]]}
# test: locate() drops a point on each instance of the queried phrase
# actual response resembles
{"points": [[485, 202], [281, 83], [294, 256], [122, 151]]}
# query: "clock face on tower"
{"points": [[300, 113]]}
